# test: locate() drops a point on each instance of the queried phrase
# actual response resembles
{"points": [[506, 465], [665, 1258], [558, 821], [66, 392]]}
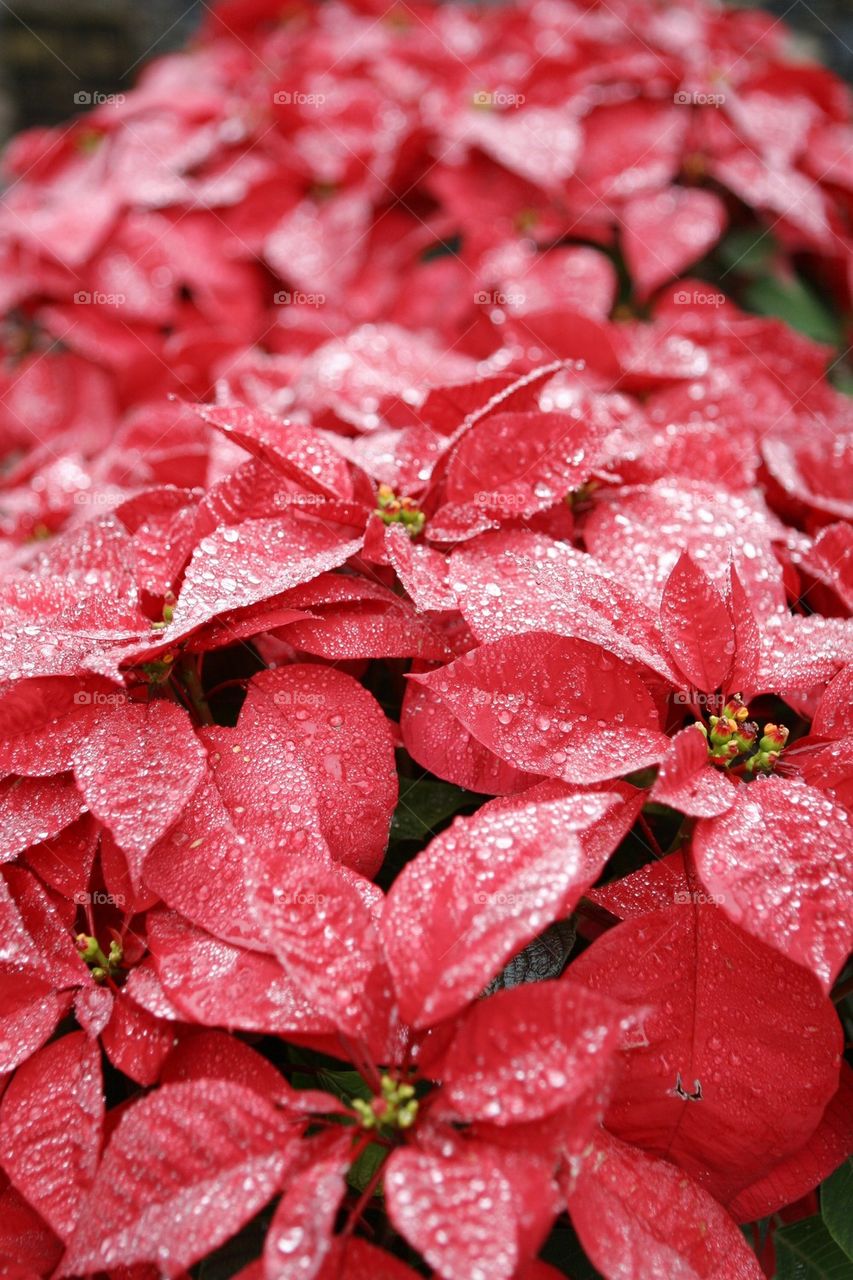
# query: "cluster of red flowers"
{"points": [[340, 497]]}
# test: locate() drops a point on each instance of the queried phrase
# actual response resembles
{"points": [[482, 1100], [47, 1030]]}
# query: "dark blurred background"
{"points": [[52, 54]]}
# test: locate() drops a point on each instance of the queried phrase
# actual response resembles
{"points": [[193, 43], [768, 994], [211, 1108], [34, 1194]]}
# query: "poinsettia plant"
{"points": [[426, 746]]}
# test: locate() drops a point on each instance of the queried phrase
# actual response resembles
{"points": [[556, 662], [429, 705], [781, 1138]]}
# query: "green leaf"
{"points": [[564, 1251], [344, 1085], [806, 1251], [366, 1165], [747, 251], [424, 805], [793, 302], [836, 1205]]}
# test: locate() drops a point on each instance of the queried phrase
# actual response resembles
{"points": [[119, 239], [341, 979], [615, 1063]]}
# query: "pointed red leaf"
{"points": [[642, 533], [321, 928], [36, 809], [660, 883], [553, 705], [242, 565], [300, 1235], [465, 1213], [339, 734], [765, 1069], [50, 1129], [436, 740], [480, 892], [216, 983], [697, 626], [747, 654], [137, 768], [666, 231], [639, 1218], [526, 1052], [203, 865], [185, 1168], [781, 869], [687, 782], [357, 1259], [511, 582], [795, 1176]]}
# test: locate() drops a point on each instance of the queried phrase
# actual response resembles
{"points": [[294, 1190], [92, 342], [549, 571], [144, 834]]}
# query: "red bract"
{"points": [[426, 758]]}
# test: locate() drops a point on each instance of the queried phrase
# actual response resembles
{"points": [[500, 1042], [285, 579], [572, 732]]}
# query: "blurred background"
{"points": [[54, 53]]}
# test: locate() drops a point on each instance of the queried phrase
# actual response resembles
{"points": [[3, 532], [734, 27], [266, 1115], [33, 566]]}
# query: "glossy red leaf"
{"points": [[512, 582], [697, 626], [28, 1247], [526, 1052], [687, 782], [135, 1041], [339, 735], [765, 1069], [660, 883], [436, 740], [781, 870], [833, 717], [480, 892], [747, 638], [183, 1170], [643, 532], [235, 819], [219, 984], [553, 705], [639, 1218], [358, 1259], [794, 1177], [214, 1055], [244, 564], [41, 722], [320, 926], [137, 768], [36, 809], [465, 1213], [300, 452], [50, 1129], [669, 230], [300, 1235]]}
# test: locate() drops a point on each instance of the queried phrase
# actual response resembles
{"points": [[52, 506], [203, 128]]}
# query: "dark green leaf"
{"points": [[806, 1251], [747, 252], [344, 1085], [836, 1204], [366, 1165], [793, 302], [563, 1250], [423, 806]]}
